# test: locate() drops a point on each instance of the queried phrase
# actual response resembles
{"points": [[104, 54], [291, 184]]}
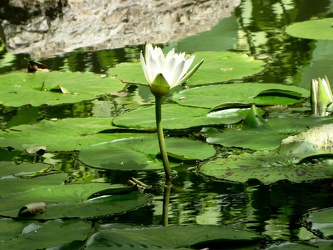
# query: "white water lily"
{"points": [[164, 73], [321, 96]]}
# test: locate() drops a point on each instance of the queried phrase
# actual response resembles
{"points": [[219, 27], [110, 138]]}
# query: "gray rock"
{"points": [[64, 25]]}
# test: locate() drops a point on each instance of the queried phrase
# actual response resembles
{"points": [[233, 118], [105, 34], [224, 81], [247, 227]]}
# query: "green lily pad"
{"points": [[315, 141], [308, 245], [267, 167], [217, 67], [178, 117], [313, 29], [9, 169], [16, 185], [73, 201], [20, 88], [230, 95], [322, 221], [76, 132], [255, 139], [289, 162], [172, 237], [42, 235], [140, 153], [266, 137]]}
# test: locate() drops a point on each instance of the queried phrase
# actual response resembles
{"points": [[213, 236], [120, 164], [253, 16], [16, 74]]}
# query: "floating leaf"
{"points": [[18, 88], [10, 170], [141, 153], [77, 132], [307, 245], [172, 237], [218, 67], [267, 167], [43, 235], [313, 29], [178, 117], [24, 115], [224, 95], [316, 140], [72, 201], [268, 137]]}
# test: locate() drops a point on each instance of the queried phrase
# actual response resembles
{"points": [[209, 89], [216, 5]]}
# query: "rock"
{"points": [[64, 25]]}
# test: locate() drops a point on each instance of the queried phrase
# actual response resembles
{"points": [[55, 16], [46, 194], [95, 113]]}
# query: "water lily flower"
{"points": [[164, 73], [321, 97]]}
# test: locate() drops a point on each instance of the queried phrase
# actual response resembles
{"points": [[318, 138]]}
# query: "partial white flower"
{"points": [[321, 96], [164, 73]]}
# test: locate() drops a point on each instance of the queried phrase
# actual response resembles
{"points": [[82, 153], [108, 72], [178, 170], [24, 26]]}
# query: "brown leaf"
{"points": [[32, 209], [34, 66]]}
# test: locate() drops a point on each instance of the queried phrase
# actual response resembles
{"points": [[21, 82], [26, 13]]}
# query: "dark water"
{"points": [[256, 28]]}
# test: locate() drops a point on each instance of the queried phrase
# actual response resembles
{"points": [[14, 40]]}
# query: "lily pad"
{"points": [[20, 88], [267, 167], [235, 94], [42, 235], [316, 140], [289, 162], [307, 245], [255, 139], [313, 29], [172, 237], [178, 117], [10, 170], [73, 201], [16, 185], [141, 153], [217, 67], [76, 132], [267, 137], [322, 222]]}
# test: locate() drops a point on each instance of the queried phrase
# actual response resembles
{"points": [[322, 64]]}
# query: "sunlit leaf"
{"points": [[321, 29], [76, 132], [178, 117], [20, 88], [224, 95], [267, 137]]}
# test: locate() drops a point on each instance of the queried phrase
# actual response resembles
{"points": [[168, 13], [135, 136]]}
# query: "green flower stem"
{"points": [[160, 135]]}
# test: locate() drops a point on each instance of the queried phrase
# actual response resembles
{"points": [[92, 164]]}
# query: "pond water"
{"points": [[255, 28]]}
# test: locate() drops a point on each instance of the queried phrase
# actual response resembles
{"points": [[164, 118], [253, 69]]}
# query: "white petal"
{"points": [[144, 67], [175, 75]]}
